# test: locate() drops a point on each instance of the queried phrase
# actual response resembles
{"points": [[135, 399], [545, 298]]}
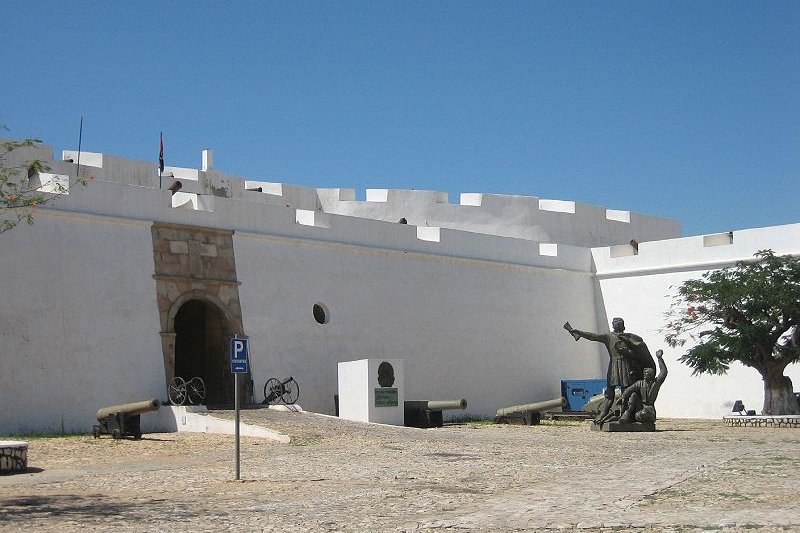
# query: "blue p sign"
{"points": [[239, 356]]}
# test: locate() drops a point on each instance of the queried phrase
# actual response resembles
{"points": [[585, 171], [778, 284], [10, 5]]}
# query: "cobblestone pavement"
{"points": [[346, 476]]}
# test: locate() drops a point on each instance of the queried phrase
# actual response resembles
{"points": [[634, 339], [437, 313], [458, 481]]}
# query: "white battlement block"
{"points": [[51, 183], [180, 173], [88, 159], [304, 217], [622, 250], [471, 198], [549, 249], [372, 390], [619, 216], [275, 189], [718, 239], [378, 195], [427, 233], [195, 202], [337, 194], [558, 206]]}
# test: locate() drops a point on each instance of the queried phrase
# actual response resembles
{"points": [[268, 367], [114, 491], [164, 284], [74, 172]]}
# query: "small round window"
{"points": [[321, 314]]}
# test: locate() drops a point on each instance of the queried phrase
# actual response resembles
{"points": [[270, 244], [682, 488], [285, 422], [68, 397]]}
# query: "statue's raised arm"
{"points": [[577, 334]]}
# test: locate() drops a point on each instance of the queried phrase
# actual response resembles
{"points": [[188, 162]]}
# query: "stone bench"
{"points": [[13, 456], [779, 421]]}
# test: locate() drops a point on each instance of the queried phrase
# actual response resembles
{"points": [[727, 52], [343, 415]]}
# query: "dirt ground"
{"points": [[345, 476]]}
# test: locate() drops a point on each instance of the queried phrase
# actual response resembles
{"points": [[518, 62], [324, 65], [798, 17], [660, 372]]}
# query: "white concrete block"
{"points": [[88, 159], [548, 249], [619, 216], [372, 390], [377, 195], [304, 217], [426, 233], [471, 198], [558, 206]]}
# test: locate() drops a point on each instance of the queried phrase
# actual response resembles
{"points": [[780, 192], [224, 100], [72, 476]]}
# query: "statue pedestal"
{"points": [[613, 427]]}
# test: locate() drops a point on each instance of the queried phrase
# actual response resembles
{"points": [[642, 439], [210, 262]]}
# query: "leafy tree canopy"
{"points": [[18, 196], [747, 313]]}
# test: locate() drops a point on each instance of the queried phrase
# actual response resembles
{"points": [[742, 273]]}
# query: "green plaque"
{"points": [[386, 397]]}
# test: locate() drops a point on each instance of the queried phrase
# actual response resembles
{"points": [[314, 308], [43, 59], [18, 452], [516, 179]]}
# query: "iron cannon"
{"points": [[428, 413], [123, 420], [529, 413]]}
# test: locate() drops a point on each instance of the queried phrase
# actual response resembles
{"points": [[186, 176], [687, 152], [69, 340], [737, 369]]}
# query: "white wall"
{"points": [[473, 316], [637, 287], [486, 331], [78, 322]]}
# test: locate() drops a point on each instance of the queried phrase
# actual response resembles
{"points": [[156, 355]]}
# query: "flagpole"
{"points": [[80, 138], [160, 157]]}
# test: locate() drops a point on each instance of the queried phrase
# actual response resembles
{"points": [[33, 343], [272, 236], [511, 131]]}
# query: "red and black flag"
{"points": [[161, 155]]}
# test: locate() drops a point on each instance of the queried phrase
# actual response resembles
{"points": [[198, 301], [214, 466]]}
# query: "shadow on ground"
{"points": [[72, 507]]}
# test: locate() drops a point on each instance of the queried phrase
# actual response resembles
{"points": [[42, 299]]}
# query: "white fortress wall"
{"points": [[636, 287], [475, 315], [482, 330], [78, 324]]}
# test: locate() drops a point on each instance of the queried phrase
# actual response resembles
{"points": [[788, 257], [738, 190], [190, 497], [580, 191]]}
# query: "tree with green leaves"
{"points": [[19, 195], [747, 313]]}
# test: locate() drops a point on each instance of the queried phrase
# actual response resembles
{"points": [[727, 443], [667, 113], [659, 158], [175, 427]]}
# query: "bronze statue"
{"points": [[638, 400], [628, 357]]}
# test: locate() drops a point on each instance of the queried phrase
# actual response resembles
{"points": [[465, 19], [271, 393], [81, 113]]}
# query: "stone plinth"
{"points": [[13, 456], [615, 427], [372, 390]]}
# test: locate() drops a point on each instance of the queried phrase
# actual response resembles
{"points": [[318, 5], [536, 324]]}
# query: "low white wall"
{"points": [[639, 288], [195, 419]]}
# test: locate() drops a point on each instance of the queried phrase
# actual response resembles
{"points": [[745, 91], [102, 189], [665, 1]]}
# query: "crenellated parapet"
{"points": [[399, 219], [522, 217], [698, 253]]}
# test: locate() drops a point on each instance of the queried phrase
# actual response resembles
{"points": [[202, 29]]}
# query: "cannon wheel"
{"points": [[273, 390], [291, 391], [96, 432], [196, 391], [116, 434], [177, 391]]}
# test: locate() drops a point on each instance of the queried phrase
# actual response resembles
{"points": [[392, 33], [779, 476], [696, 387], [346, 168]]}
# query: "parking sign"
{"points": [[239, 353]]}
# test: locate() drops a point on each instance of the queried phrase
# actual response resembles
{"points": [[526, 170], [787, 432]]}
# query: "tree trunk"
{"points": [[779, 398]]}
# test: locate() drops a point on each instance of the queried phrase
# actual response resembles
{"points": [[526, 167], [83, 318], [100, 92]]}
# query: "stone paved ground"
{"points": [[346, 476]]}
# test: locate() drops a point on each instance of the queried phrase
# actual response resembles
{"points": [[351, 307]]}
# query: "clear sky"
{"points": [[684, 109]]}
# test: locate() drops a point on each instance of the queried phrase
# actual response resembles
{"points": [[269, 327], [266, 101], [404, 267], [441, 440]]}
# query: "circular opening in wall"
{"points": [[321, 314]]}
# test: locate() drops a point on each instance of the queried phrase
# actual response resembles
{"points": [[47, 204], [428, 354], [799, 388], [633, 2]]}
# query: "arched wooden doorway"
{"points": [[202, 335]]}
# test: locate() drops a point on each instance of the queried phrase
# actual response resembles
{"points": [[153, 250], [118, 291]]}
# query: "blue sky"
{"points": [[688, 110]]}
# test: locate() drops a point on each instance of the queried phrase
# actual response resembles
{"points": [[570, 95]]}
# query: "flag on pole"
{"points": [[161, 155]]}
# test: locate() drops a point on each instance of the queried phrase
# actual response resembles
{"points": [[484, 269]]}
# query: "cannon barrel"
{"points": [[444, 405], [128, 409], [536, 407]]}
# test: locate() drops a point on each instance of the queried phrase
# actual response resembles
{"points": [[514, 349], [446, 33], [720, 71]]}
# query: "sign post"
{"points": [[239, 364]]}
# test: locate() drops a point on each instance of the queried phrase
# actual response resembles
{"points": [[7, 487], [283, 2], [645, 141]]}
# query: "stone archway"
{"points": [[201, 345], [198, 302]]}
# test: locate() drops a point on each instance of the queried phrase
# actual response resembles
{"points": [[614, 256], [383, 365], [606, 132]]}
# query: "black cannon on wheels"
{"points": [[286, 391], [123, 420], [191, 392]]}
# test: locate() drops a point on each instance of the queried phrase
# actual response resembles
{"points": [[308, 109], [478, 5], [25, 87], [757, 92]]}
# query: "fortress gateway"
{"points": [[121, 285]]}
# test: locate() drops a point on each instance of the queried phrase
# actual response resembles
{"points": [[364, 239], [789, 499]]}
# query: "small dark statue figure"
{"points": [[632, 369], [638, 400]]}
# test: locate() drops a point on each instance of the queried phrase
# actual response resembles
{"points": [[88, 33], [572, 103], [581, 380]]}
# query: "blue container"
{"points": [[579, 391]]}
